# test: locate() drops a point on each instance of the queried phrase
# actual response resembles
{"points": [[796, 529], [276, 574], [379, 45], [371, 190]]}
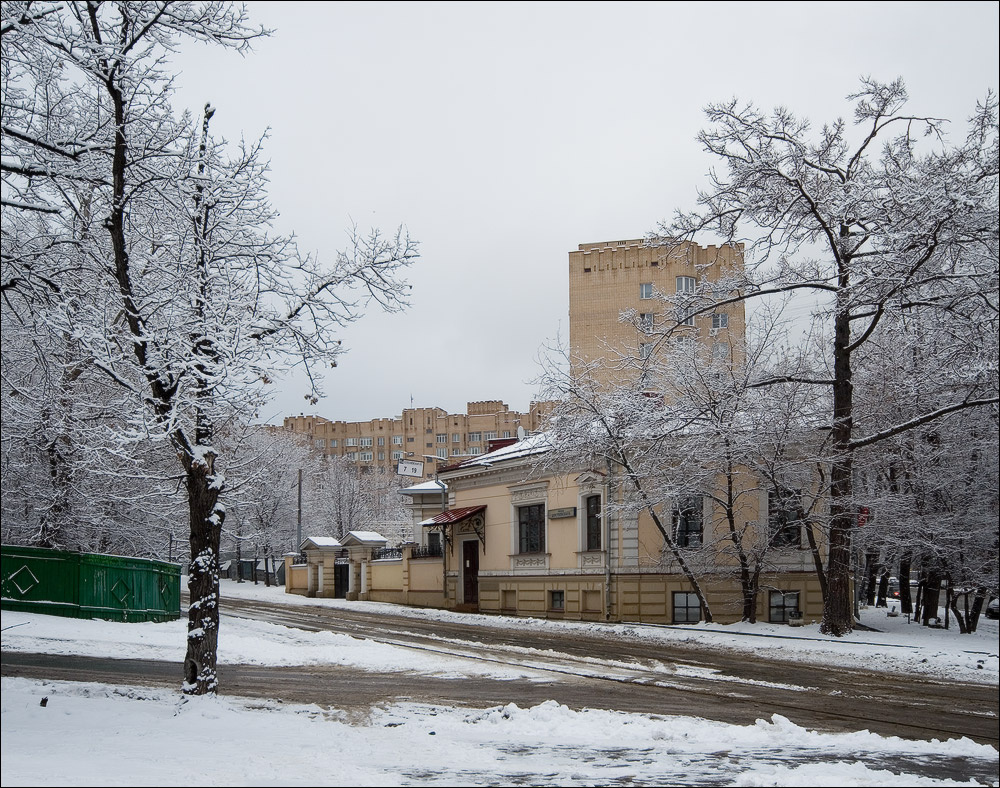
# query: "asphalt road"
{"points": [[579, 670]]}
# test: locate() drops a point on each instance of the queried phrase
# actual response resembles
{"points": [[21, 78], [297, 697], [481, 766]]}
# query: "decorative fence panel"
{"points": [[89, 585]]}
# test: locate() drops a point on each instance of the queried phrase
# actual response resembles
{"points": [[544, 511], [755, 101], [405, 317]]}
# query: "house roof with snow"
{"points": [[366, 538], [422, 488], [320, 543], [531, 445]]}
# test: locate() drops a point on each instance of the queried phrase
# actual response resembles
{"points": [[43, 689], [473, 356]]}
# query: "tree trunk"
{"points": [[932, 596], [905, 600], [837, 615], [883, 591], [200, 669]]}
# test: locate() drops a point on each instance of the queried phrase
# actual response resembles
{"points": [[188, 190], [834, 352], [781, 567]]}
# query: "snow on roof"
{"points": [[423, 487], [538, 443], [367, 536], [321, 541]]}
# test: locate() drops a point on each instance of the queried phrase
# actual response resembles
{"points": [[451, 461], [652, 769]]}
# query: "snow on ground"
{"points": [[94, 734]]}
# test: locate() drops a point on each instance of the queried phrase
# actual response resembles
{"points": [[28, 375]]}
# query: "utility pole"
{"points": [[298, 528]]}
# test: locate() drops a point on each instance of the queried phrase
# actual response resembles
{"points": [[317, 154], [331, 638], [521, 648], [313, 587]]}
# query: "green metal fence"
{"points": [[89, 585]]}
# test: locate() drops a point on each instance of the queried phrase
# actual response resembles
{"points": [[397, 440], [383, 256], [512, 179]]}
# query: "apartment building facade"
{"points": [[631, 300], [428, 435]]}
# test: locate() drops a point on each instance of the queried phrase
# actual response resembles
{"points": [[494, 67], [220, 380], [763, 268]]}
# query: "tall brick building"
{"points": [[610, 278]]}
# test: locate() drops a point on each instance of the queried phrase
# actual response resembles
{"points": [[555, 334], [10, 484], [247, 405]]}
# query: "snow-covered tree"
{"points": [[887, 218], [151, 245]]}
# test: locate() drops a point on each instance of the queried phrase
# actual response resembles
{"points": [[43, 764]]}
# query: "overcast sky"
{"points": [[504, 135]]}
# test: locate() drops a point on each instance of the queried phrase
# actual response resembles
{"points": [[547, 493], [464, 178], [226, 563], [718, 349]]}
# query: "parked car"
{"points": [[993, 609]]}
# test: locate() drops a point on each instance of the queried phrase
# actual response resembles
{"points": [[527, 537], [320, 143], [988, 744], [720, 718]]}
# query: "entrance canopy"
{"points": [[470, 516]]}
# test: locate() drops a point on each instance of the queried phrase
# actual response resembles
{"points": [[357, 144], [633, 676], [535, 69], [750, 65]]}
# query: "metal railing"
{"points": [[430, 551]]}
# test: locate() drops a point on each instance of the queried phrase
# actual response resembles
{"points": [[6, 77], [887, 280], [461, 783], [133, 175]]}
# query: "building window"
{"points": [[783, 604], [351, 442], [506, 434], [352, 455], [456, 452], [397, 455], [688, 525], [381, 440], [686, 284], [442, 454], [687, 608], [490, 436], [646, 321], [785, 517], [397, 440], [365, 442], [557, 600], [593, 506], [685, 319], [646, 290], [531, 528], [456, 437], [434, 542], [475, 437], [442, 438], [366, 456], [333, 443], [475, 450], [720, 320], [381, 456], [645, 350]]}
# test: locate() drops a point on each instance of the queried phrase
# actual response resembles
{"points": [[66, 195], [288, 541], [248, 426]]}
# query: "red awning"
{"points": [[454, 515]]}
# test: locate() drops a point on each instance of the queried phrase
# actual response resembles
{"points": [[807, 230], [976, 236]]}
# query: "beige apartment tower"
{"points": [[631, 299]]}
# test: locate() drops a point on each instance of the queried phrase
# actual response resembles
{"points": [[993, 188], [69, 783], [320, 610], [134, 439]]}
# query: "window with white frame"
{"points": [[688, 521], [381, 456], [442, 438], [593, 523], [442, 453], [397, 440], [352, 455], [646, 290], [456, 437], [456, 452], [782, 605], [475, 437], [351, 442], [506, 434], [687, 284], [397, 455], [365, 442], [381, 440], [475, 450], [333, 443], [720, 320], [490, 436], [686, 608], [531, 528], [367, 456], [646, 321], [645, 350]]}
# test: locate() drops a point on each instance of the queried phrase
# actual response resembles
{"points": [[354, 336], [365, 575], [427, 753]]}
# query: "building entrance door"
{"points": [[470, 572]]}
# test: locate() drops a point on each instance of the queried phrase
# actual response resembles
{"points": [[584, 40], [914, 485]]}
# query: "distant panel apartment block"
{"points": [[429, 435]]}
